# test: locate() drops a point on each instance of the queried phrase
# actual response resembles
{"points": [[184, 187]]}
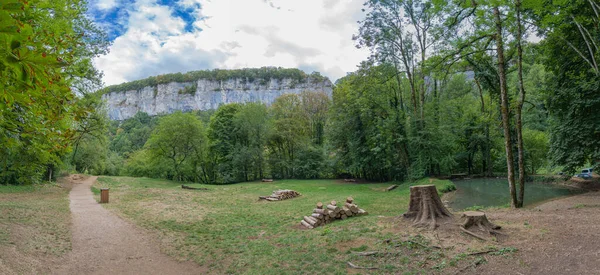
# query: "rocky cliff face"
{"points": [[203, 95]]}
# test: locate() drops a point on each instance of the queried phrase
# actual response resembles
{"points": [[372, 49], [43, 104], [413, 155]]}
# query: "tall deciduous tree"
{"points": [[46, 48], [572, 51], [180, 140]]}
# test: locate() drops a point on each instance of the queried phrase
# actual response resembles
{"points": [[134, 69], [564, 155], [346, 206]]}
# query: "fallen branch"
{"points": [[474, 265], [351, 265], [391, 187], [366, 253], [417, 243], [183, 186], [481, 252], [473, 234]]}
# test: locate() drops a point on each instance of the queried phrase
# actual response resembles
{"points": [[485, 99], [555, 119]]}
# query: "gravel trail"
{"points": [[103, 243]]}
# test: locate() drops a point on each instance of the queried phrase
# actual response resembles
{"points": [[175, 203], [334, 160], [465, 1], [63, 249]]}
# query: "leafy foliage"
{"points": [[46, 49], [574, 84]]}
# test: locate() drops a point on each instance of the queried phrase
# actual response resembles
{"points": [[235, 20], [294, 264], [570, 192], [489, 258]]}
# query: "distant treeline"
{"points": [[249, 74]]}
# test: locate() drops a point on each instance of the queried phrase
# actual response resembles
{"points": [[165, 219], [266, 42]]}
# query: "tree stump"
{"points": [[426, 207], [479, 219]]}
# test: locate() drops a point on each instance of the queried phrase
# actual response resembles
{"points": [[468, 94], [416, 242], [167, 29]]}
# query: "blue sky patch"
{"points": [[115, 20]]}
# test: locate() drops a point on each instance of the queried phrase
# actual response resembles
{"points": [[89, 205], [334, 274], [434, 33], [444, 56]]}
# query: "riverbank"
{"points": [[557, 237]]}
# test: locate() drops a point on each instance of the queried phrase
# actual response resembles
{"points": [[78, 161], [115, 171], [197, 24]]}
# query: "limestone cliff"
{"points": [[204, 94]]}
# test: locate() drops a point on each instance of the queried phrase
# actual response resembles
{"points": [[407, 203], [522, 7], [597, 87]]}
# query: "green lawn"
{"points": [[228, 230]]}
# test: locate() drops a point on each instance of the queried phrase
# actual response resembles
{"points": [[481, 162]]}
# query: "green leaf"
{"points": [[15, 44]]}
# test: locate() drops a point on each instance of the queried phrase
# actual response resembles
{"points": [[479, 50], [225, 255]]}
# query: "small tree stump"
{"points": [[478, 219], [426, 207]]}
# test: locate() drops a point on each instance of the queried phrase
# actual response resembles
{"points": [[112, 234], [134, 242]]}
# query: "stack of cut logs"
{"points": [[280, 195], [324, 215]]}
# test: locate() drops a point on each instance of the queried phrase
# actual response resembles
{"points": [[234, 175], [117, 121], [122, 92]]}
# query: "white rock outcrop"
{"points": [[209, 94]]}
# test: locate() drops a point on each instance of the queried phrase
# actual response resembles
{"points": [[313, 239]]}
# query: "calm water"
{"points": [[494, 192]]}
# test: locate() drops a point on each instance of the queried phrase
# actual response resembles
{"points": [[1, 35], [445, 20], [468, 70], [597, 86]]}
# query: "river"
{"points": [[494, 192]]}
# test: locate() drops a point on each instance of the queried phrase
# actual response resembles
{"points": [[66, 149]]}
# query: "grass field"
{"points": [[229, 231], [34, 227]]}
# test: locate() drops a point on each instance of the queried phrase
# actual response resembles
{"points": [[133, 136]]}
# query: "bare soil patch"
{"points": [[558, 237]]}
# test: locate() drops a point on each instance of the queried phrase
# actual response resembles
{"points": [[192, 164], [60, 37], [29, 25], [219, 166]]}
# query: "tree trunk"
{"points": [[486, 154], [520, 108], [504, 109], [426, 207]]}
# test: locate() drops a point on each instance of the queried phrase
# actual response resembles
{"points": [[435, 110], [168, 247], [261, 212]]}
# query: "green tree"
{"points": [[572, 57], [46, 50], [180, 140]]}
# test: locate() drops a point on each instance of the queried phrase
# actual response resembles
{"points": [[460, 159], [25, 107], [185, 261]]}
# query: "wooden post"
{"points": [[104, 195]]}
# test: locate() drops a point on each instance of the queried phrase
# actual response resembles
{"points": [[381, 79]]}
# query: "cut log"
{"points": [[391, 188], [347, 211], [333, 208], [310, 221], [352, 207], [332, 214], [362, 212], [319, 205], [317, 216], [349, 200], [426, 207], [343, 216], [319, 211], [271, 199], [267, 180], [307, 225], [334, 203]]}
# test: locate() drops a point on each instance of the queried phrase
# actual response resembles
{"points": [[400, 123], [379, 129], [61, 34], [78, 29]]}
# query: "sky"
{"points": [[152, 37]]}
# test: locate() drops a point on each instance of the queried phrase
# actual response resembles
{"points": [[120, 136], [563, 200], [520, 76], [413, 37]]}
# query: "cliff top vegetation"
{"points": [[251, 74]]}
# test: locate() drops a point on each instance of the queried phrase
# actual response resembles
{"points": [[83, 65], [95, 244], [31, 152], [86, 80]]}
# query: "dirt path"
{"points": [[105, 244], [557, 237]]}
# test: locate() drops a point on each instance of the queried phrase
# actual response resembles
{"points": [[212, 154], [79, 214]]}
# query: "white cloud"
{"points": [[106, 4], [307, 34]]}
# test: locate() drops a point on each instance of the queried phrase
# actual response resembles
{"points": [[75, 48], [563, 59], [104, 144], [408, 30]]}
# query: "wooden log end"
{"points": [[305, 224]]}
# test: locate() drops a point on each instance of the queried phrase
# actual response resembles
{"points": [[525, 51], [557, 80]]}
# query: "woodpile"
{"points": [[267, 180], [350, 180], [280, 195], [325, 214]]}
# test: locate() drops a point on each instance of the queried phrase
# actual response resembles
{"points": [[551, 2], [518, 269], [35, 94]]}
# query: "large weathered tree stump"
{"points": [[477, 219], [426, 207]]}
